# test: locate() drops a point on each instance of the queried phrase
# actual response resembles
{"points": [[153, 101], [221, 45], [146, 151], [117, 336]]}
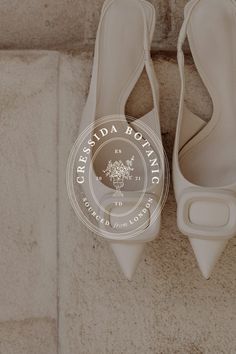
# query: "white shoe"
{"points": [[204, 161], [116, 169]]}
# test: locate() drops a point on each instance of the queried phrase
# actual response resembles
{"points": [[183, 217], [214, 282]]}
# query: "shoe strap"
{"points": [[181, 62], [148, 64]]}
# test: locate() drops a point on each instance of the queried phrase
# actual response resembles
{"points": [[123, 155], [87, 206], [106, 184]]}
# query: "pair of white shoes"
{"points": [[117, 174]]}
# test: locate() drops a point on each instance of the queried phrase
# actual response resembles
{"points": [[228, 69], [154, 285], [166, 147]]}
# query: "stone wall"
{"points": [[50, 24]]}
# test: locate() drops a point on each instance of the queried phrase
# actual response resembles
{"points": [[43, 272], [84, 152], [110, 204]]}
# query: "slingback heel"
{"points": [[204, 161], [117, 167]]}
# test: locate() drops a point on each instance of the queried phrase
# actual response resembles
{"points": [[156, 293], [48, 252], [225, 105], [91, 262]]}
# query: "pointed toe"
{"points": [[128, 256], [207, 254]]}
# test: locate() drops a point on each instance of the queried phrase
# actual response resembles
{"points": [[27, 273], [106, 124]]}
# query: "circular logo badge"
{"points": [[118, 177]]}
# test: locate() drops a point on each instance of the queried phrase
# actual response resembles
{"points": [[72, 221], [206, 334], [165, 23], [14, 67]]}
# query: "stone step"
{"points": [[50, 24]]}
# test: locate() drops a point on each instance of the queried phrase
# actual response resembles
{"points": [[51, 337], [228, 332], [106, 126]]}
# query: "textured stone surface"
{"points": [[73, 23], [28, 182], [169, 307], [30, 336]]}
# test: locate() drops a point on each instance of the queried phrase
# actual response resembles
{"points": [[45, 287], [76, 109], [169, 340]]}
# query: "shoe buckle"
{"points": [[207, 214]]}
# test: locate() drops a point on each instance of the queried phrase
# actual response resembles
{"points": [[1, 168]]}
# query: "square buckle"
{"points": [[210, 214]]}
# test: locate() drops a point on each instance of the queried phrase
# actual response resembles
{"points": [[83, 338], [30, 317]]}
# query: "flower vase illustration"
{"points": [[118, 172]]}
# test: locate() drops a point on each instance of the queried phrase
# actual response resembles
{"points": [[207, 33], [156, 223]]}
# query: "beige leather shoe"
{"points": [[116, 168], [204, 161]]}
